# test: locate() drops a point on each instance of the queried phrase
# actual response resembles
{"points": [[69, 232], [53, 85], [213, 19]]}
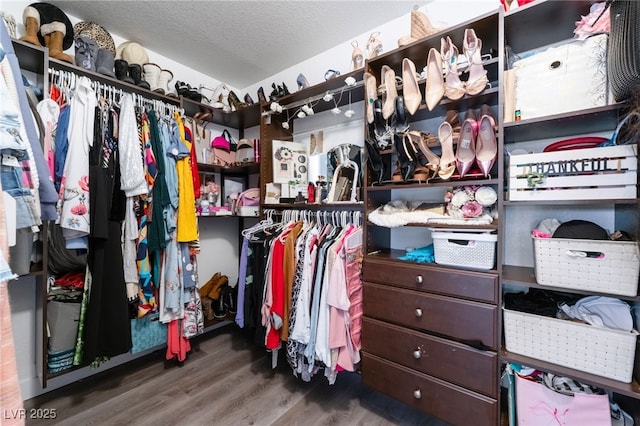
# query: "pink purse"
{"points": [[537, 405], [223, 152]]}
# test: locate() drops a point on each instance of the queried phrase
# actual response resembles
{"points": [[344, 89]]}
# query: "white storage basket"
{"points": [[595, 265], [464, 249], [600, 351]]}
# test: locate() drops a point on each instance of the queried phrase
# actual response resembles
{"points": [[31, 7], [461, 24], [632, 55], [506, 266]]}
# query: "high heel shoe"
{"points": [[486, 144], [452, 118], [380, 124], [375, 160], [410, 89], [405, 156], [371, 92], [453, 87], [285, 90], [261, 97], [374, 45], [400, 116], [248, 99], [466, 152], [421, 26], [357, 56], [422, 172], [234, 102], [434, 89], [448, 158], [421, 140], [382, 88], [275, 93], [472, 46], [302, 81], [388, 106]]}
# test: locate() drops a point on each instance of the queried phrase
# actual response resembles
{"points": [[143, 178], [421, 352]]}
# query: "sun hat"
{"points": [[50, 13], [132, 52], [96, 33]]}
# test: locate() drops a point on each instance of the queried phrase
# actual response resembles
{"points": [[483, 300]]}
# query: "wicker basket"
{"points": [[600, 351], [467, 250], [610, 267]]}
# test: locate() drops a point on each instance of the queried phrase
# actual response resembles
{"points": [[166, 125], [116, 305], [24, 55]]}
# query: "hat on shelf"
{"points": [[49, 14], [132, 52], [96, 33]]}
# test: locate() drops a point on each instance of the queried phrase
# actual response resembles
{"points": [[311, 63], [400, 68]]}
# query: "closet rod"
{"points": [[68, 78]]}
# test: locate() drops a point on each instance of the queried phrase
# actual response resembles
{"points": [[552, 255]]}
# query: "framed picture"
{"points": [[290, 162]]}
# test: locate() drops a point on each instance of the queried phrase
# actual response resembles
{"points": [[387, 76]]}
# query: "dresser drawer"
{"points": [[444, 400], [480, 286], [473, 323], [460, 364]]}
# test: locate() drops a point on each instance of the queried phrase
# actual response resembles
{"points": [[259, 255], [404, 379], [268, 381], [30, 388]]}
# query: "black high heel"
{"points": [[405, 158], [285, 90], [275, 93], [400, 116], [375, 160], [261, 97], [248, 99], [380, 124]]}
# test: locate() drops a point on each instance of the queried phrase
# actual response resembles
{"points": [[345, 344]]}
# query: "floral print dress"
{"points": [[73, 203]]}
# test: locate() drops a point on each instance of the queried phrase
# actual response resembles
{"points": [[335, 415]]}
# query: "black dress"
{"points": [[107, 330]]}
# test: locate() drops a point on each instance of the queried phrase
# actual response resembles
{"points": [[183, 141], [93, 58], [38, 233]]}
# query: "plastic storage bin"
{"points": [[467, 250]]}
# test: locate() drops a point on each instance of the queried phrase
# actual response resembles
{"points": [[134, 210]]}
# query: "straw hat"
{"points": [[96, 33], [132, 52]]}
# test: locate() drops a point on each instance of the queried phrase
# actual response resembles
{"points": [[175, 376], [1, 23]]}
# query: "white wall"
{"points": [[219, 245]]}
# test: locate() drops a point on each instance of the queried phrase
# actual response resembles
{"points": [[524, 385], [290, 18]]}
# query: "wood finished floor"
{"points": [[226, 380]]}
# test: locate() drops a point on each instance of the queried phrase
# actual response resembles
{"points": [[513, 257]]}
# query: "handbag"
{"points": [[223, 146], [623, 62], [536, 404], [569, 77]]}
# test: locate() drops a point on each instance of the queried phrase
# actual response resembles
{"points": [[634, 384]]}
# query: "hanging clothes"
{"points": [[322, 290], [107, 330], [181, 150]]}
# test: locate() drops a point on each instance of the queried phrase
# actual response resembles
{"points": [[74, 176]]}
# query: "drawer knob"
{"points": [[419, 279], [418, 312], [417, 394], [417, 353]]}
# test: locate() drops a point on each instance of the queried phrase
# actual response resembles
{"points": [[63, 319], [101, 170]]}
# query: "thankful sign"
{"points": [[580, 174]]}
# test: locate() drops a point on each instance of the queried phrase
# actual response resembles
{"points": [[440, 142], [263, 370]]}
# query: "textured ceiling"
{"points": [[238, 42]]}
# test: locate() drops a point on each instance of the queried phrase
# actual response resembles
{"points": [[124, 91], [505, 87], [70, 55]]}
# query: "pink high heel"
{"points": [[453, 87], [472, 46], [486, 144], [466, 152]]}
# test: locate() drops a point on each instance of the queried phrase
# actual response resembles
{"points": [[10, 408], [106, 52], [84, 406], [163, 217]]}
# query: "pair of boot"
{"points": [[130, 73], [157, 78], [53, 34], [93, 58]]}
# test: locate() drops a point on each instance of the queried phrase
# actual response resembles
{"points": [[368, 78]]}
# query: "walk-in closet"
{"points": [[306, 212]]}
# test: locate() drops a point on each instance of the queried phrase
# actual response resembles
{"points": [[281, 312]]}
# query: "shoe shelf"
{"points": [[592, 120], [629, 389], [32, 58], [486, 26], [524, 276], [112, 81], [317, 91], [491, 227], [243, 118], [488, 96]]}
